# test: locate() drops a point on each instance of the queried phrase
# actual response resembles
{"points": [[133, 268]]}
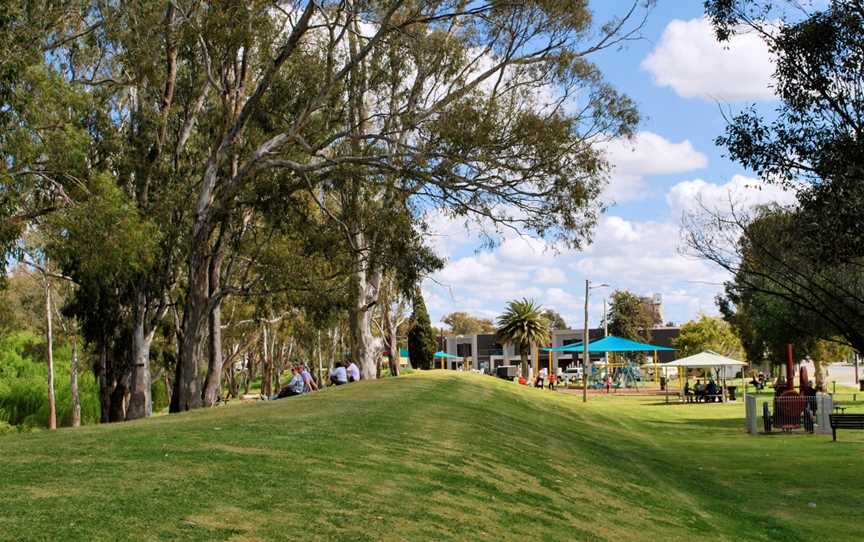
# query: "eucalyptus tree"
{"points": [[475, 112], [388, 108]]}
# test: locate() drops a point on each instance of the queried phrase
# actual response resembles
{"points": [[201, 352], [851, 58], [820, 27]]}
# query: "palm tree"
{"points": [[523, 324]]}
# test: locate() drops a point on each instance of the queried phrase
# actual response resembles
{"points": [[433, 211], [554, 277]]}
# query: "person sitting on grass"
{"points": [[339, 375], [353, 372], [308, 381], [295, 387]]}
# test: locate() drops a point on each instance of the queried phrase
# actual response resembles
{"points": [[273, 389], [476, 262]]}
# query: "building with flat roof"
{"points": [[483, 352]]}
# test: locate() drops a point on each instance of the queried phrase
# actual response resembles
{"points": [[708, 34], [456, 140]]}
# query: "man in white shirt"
{"points": [[339, 376], [353, 372]]}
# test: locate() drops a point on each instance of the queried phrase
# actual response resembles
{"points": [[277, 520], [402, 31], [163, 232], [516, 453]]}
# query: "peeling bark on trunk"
{"points": [[213, 381], [366, 285], [392, 341], [73, 386], [187, 383], [52, 407], [141, 401]]}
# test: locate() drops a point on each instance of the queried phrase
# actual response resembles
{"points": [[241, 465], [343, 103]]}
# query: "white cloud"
{"points": [[689, 59], [740, 191], [646, 154], [642, 257]]}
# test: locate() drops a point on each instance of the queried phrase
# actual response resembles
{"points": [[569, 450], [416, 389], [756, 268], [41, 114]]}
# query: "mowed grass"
{"points": [[433, 456]]}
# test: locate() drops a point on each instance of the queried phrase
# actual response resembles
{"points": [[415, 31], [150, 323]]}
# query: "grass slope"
{"points": [[428, 457]]}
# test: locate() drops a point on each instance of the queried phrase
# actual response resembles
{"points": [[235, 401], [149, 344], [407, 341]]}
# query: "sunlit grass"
{"points": [[433, 456]]}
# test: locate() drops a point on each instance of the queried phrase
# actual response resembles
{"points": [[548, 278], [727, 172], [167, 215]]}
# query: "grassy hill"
{"points": [[428, 457]]}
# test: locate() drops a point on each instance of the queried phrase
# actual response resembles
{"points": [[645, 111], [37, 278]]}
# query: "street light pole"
{"points": [[585, 359]]}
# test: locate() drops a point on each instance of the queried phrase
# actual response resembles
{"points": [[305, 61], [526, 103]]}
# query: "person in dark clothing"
{"points": [[711, 391]]}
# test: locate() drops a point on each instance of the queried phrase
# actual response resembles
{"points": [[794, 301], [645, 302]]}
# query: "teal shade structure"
{"points": [[611, 344], [441, 354]]}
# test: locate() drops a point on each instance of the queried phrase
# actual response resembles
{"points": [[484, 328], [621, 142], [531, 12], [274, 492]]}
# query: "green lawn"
{"points": [[428, 457]]}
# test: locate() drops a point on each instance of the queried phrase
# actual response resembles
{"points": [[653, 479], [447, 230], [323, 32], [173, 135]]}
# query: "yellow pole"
{"points": [[550, 362]]}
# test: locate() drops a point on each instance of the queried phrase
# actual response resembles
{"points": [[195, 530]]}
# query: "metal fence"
{"points": [[789, 413]]}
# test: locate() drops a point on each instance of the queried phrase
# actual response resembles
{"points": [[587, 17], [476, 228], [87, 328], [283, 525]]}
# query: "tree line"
{"points": [[220, 180], [797, 271]]}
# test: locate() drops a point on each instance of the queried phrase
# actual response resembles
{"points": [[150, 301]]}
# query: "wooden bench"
{"points": [[845, 421]]}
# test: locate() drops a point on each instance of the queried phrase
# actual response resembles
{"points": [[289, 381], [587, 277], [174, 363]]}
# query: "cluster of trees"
{"points": [[462, 323], [246, 182], [798, 271]]}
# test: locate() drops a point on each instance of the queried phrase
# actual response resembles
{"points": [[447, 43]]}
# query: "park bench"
{"points": [[845, 421]]}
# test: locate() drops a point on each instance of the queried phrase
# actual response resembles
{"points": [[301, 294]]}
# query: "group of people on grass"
{"points": [[542, 379], [302, 380], [703, 393]]}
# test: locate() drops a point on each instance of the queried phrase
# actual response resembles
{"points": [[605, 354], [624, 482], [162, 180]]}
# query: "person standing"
{"points": [[353, 372], [541, 377]]}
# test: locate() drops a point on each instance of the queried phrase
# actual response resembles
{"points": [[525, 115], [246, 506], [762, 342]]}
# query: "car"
{"points": [[572, 375]]}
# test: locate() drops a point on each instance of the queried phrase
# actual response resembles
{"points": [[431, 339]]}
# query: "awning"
{"points": [[565, 348], [612, 344], [704, 360], [441, 354]]}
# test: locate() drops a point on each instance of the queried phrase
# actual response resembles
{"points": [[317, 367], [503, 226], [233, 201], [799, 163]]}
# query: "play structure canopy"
{"points": [[611, 344], [704, 360], [442, 354], [565, 348]]}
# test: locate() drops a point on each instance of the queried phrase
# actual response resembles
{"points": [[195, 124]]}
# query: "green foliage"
{"points": [[801, 268], [23, 384], [629, 317], [708, 333], [523, 324], [421, 337], [556, 321], [462, 323]]}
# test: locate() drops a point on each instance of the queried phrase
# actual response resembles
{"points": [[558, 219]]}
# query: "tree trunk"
{"points": [[117, 411], [52, 407], [392, 344], [187, 382], [213, 380], [141, 401], [366, 347], [104, 383], [524, 357], [266, 378], [73, 386]]}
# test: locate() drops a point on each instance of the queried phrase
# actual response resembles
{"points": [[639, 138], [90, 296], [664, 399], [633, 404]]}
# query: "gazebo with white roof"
{"points": [[706, 360]]}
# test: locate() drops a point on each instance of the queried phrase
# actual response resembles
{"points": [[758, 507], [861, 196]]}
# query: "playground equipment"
{"points": [[624, 373]]}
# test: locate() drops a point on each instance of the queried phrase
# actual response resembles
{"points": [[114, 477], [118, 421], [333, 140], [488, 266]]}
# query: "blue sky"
{"points": [[680, 78]]}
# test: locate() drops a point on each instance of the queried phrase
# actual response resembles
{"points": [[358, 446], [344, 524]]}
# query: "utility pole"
{"points": [[606, 332], [585, 359]]}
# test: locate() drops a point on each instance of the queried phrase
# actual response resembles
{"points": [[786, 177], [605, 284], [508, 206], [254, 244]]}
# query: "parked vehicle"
{"points": [[572, 375], [507, 372]]}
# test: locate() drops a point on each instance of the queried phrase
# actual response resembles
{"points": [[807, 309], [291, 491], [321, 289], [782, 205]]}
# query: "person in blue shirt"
{"points": [[297, 386]]}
